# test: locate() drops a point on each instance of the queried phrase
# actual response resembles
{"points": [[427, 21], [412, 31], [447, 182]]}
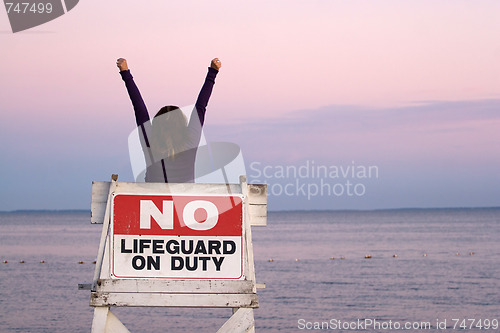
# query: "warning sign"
{"points": [[176, 236]]}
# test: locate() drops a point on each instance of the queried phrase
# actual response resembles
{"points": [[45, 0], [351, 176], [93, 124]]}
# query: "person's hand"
{"points": [[215, 64], [122, 64]]}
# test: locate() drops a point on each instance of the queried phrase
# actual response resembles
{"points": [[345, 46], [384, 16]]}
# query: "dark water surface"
{"points": [[426, 265]]}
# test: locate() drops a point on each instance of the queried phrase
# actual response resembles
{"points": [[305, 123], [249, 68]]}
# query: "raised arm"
{"points": [[206, 89], [141, 112]]}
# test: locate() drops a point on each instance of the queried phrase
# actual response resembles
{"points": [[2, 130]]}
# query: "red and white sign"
{"points": [[177, 236]]}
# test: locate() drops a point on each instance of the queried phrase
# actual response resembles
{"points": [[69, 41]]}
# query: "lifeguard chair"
{"points": [[176, 245]]}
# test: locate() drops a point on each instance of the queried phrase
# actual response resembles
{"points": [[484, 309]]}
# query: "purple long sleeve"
{"points": [[205, 93], [141, 112]]}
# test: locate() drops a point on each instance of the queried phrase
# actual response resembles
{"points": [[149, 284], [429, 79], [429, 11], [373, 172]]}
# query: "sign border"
{"points": [[112, 239]]}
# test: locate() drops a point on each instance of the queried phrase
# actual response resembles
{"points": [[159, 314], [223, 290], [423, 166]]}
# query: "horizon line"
{"points": [[270, 211]]}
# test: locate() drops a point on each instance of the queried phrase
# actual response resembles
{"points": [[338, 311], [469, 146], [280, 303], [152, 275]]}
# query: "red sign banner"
{"points": [[177, 236]]}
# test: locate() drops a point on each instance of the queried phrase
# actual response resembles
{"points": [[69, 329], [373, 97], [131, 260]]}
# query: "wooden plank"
{"points": [[114, 325], [175, 286], [105, 321], [240, 322], [178, 188], [259, 221], [99, 319], [100, 192], [257, 204], [258, 215], [257, 210], [248, 246], [174, 300], [257, 194], [104, 234]]}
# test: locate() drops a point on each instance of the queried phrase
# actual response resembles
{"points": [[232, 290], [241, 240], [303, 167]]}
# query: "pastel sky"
{"points": [[411, 87]]}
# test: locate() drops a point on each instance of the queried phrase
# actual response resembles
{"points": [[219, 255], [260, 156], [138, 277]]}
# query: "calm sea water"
{"points": [[447, 266]]}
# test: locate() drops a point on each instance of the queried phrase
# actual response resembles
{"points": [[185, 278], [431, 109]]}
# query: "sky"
{"points": [[316, 94]]}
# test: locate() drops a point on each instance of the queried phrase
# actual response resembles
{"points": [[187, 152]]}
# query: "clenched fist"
{"points": [[122, 64], [215, 64]]}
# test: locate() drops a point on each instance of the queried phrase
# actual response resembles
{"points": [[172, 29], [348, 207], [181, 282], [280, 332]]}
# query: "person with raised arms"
{"points": [[170, 141]]}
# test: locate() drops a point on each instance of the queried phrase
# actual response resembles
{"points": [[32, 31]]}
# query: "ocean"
{"points": [[373, 271]]}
